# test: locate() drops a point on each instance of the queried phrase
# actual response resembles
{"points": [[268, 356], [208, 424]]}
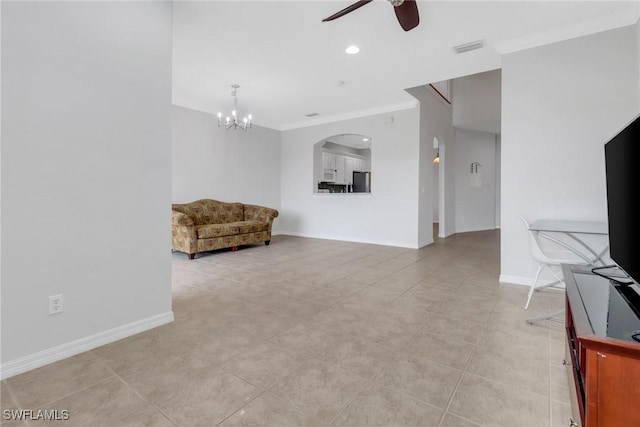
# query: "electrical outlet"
{"points": [[55, 304]]}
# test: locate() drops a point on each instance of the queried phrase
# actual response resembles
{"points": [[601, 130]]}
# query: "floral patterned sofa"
{"points": [[205, 225]]}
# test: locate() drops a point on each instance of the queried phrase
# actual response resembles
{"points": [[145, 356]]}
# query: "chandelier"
{"points": [[232, 122]]}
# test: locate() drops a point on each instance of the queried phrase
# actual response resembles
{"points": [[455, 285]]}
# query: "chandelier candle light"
{"points": [[232, 122]]}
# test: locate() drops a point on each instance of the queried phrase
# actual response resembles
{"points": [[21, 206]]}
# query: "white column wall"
{"points": [[435, 122], [498, 201], [560, 104], [86, 159], [435, 192]]}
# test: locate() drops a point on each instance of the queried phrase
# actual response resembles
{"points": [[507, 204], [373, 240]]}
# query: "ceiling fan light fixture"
{"points": [[352, 50], [406, 12]]}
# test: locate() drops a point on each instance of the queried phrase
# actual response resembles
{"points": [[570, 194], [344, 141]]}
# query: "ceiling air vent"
{"points": [[461, 48], [311, 114]]}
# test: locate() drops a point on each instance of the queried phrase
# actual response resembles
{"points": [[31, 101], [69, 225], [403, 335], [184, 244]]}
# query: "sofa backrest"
{"points": [[207, 211]]}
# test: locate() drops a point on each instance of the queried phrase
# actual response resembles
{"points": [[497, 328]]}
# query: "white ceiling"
{"points": [[288, 63], [351, 140]]}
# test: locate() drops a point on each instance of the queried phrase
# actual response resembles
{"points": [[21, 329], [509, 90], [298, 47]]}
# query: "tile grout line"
{"points": [[144, 399], [267, 388], [366, 383], [464, 371], [50, 403], [240, 408], [89, 352]]}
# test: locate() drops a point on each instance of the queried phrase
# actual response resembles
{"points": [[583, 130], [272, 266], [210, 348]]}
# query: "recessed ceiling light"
{"points": [[352, 50], [365, 139]]}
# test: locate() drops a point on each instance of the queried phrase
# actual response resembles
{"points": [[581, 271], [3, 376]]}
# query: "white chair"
{"points": [[549, 260]]}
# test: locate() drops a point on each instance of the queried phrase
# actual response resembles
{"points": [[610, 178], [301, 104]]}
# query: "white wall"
{"points": [[447, 192], [389, 215], [435, 122], [498, 202], [476, 102], [560, 104], [436, 189], [475, 206], [210, 162], [86, 155]]}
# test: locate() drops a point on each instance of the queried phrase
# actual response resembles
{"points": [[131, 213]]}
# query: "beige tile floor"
{"points": [[310, 332]]}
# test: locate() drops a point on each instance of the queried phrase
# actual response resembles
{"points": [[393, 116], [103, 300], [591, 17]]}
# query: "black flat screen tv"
{"points": [[622, 166]]}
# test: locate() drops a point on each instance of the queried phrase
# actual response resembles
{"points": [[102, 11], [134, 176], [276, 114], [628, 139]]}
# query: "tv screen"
{"points": [[622, 165]]}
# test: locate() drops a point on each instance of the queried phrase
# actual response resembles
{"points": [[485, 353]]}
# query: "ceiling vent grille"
{"points": [[461, 48]]}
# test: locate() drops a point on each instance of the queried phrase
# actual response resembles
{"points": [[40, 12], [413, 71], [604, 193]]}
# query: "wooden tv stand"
{"points": [[602, 360]]}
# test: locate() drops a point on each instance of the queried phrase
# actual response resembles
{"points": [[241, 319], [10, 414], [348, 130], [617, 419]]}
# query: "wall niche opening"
{"points": [[342, 164]]}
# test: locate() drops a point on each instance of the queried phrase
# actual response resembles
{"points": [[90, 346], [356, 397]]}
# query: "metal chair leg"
{"points": [[533, 286]]}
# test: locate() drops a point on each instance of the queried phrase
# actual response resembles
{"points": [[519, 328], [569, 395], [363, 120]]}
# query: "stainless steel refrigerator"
{"points": [[362, 182]]}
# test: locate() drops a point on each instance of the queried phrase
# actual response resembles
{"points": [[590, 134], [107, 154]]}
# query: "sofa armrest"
{"points": [[183, 233], [259, 213], [179, 218]]}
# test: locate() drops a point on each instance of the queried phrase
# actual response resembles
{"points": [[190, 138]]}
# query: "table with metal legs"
{"points": [[576, 232]]}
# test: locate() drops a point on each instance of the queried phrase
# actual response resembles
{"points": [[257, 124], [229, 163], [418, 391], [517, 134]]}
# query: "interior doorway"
{"points": [[438, 189]]}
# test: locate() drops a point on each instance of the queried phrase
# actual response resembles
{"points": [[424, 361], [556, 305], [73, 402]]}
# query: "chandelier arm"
{"points": [[232, 122]]}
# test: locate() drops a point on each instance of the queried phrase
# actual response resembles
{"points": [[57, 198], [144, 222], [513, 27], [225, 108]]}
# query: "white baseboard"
{"points": [[425, 243], [515, 280], [41, 358], [342, 239]]}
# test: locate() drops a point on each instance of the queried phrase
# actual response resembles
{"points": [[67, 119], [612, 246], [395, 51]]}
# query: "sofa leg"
{"points": [[192, 256], [234, 249], [266, 242]]}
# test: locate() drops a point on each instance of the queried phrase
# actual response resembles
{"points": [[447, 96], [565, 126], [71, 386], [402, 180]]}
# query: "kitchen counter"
{"points": [[332, 188], [341, 194]]}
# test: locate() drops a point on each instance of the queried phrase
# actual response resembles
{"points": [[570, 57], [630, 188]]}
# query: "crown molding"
{"points": [[350, 115], [578, 30]]}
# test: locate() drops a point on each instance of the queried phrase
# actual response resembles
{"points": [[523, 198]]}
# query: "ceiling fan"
{"points": [[406, 12]]}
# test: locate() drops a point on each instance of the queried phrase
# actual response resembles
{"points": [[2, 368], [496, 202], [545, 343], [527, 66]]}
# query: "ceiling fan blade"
{"points": [[347, 9], [407, 14]]}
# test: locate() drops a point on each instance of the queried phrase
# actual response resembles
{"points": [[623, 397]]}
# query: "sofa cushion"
{"points": [[229, 229], [207, 211]]}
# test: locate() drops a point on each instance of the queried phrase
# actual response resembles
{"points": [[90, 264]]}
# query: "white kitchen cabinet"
{"points": [[348, 170], [320, 174], [359, 165], [340, 169], [328, 160]]}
